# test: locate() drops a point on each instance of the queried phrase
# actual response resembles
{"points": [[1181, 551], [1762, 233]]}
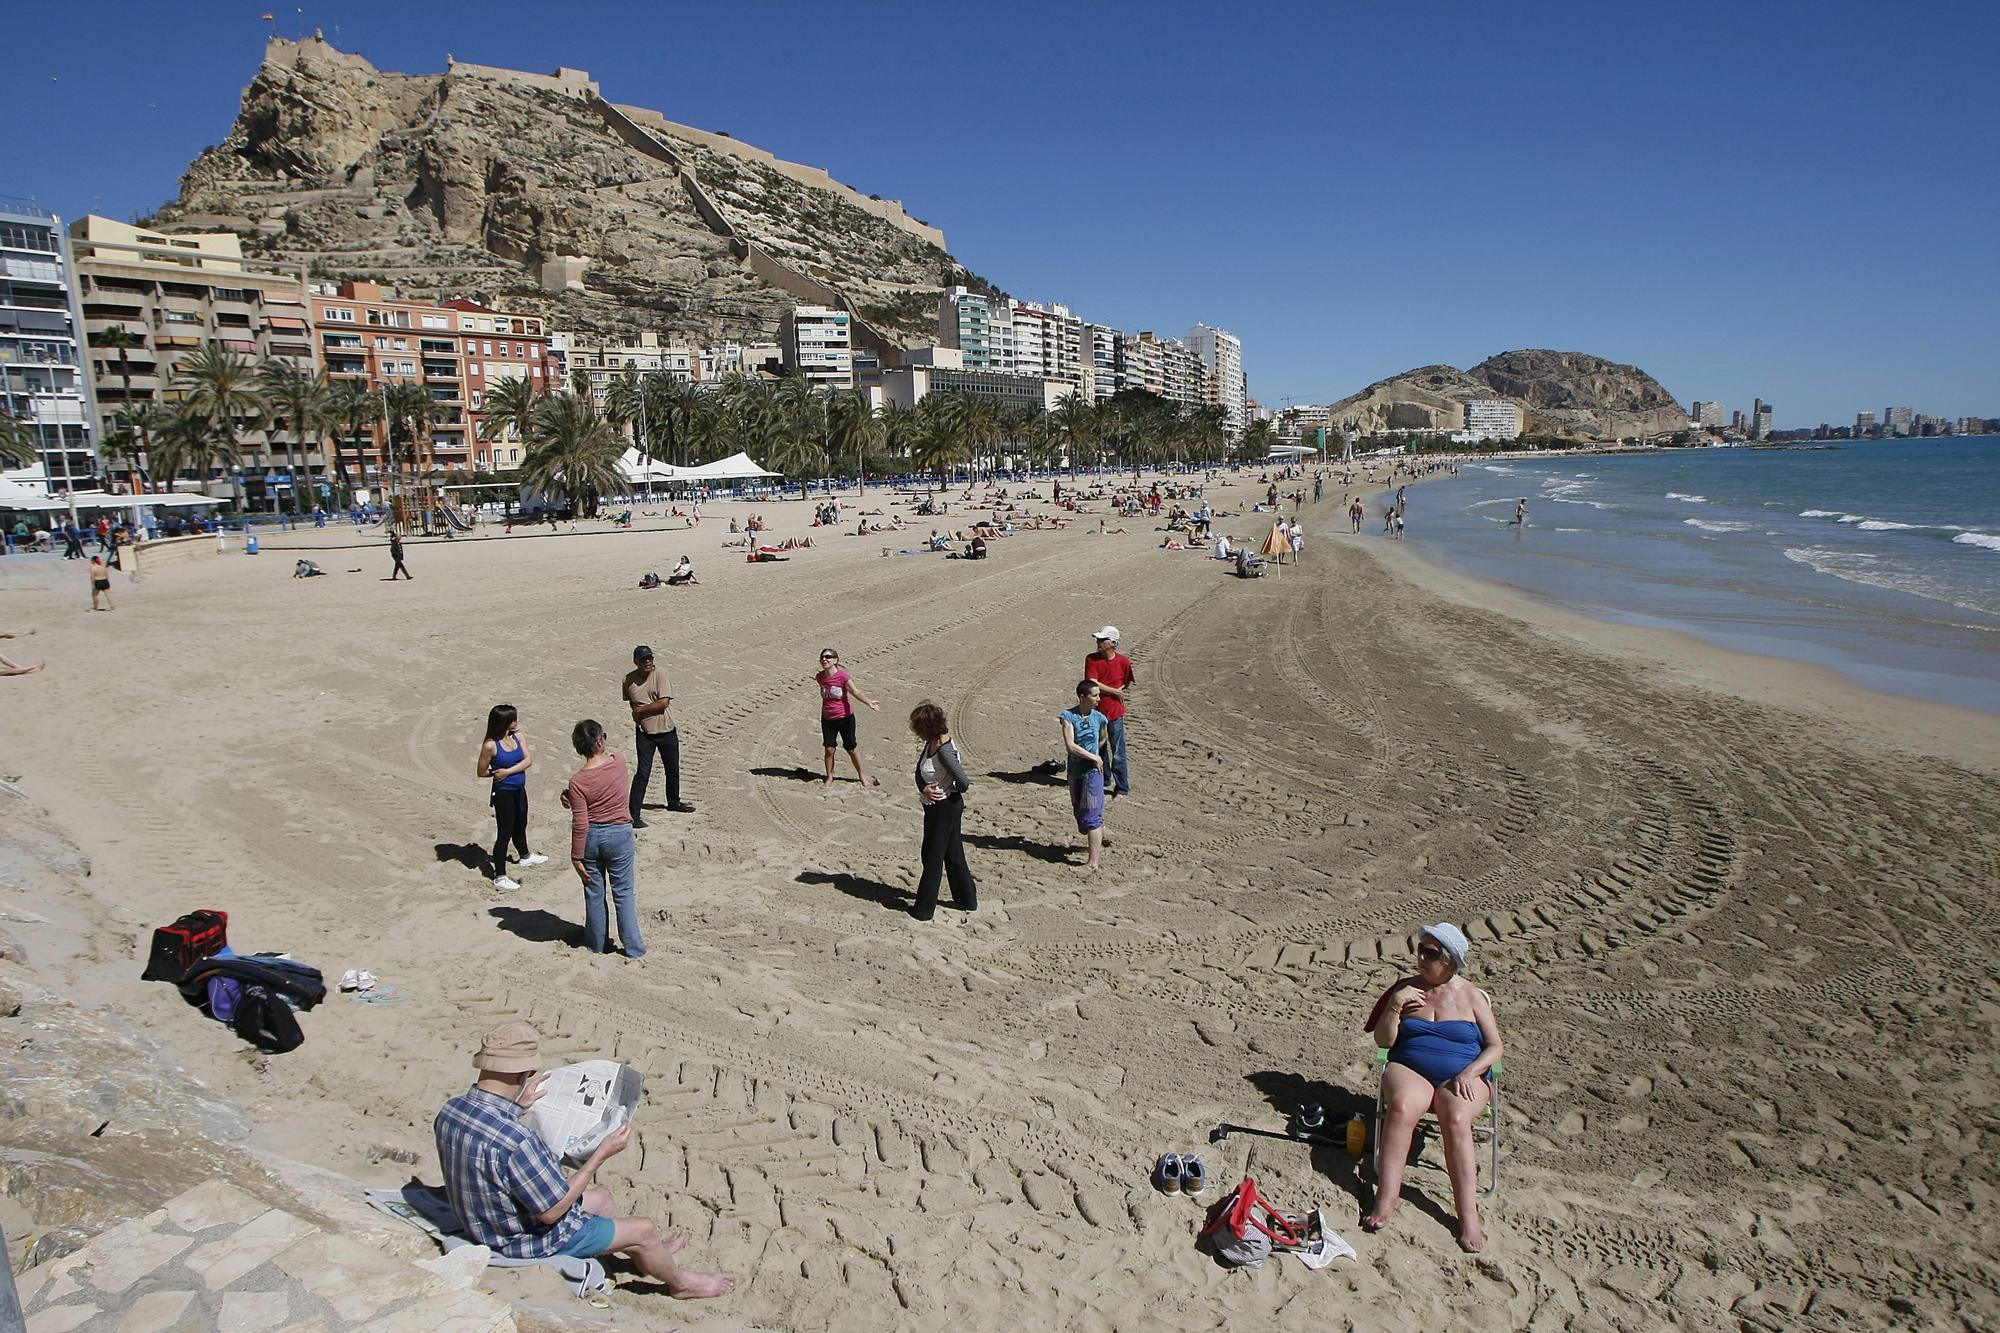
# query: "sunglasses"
{"points": [[829, 657], [1429, 953]]}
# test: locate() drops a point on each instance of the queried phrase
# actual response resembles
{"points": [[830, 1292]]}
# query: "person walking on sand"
{"points": [[941, 785], [1083, 743], [396, 554], [837, 696], [653, 732], [601, 847], [505, 758], [100, 584], [507, 1187], [1112, 671], [9, 667]]}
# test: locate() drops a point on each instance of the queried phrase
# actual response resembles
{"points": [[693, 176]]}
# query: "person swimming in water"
{"points": [[1442, 1039]]}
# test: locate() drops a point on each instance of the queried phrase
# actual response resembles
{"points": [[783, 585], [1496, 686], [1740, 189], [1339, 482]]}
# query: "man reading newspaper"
{"points": [[508, 1189]]}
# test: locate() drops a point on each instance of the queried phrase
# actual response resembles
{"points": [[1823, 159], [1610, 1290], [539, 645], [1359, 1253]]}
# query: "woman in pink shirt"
{"points": [[837, 696], [598, 799]]}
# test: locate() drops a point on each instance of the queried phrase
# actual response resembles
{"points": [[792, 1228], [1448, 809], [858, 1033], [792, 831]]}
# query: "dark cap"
{"points": [[641, 653]]}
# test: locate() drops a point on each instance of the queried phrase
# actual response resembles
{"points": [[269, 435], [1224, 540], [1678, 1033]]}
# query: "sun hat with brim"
{"points": [[1449, 938], [511, 1048]]}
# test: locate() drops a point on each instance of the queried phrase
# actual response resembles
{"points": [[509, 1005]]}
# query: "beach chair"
{"points": [[1485, 1129]]}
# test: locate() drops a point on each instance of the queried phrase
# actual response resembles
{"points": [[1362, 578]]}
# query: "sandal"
{"points": [[1167, 1172]]}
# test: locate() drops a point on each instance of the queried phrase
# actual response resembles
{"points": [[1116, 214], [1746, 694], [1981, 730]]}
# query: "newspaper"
{"points": [[582, 1103]]}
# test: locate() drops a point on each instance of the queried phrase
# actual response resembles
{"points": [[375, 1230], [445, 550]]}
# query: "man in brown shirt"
{"points": [[654, 730]]}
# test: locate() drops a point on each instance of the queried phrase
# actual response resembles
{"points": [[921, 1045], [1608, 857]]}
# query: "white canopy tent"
{"points": [[737, 467]]}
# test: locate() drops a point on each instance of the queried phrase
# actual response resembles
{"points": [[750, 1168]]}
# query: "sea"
{"points": [[1879, 559]]}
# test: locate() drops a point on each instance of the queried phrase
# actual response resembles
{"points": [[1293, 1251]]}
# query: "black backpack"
{"points": [[271, 987]]}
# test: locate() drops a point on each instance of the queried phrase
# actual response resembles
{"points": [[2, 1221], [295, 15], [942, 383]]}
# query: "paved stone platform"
{"points": [[216, 1258]]}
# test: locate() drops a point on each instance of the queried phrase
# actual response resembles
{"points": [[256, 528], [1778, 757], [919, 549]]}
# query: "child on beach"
{"points": [[1083, 733], [100, 584]]}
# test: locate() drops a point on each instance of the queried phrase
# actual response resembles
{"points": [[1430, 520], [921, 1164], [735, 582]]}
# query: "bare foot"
{"points": [[699, 1286], [1085, 869], [1472, 1239], [1377, 1218]]}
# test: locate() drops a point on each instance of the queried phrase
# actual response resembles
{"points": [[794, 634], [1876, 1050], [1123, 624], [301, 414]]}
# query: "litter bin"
{"points": [[249, 546]]}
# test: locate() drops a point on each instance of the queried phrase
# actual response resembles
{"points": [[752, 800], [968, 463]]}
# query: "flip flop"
{"points": [[1167, 1172], [378, 996], [1194, 1175]]}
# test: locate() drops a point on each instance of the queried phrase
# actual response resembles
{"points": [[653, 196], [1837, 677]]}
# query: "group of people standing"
{"points": [[605, 802]]}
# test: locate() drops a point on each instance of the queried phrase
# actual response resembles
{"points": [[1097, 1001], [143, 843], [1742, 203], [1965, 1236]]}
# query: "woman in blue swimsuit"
{"points": [[1442, 1038], [504, 758]]}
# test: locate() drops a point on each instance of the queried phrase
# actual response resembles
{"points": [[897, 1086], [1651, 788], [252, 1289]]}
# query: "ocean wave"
{"points": [[1495, 467], [1819, 513], [1691, 499], [1989, 540], [1481, 504], [1852, 518], [1709, 525], [1885, 525]]}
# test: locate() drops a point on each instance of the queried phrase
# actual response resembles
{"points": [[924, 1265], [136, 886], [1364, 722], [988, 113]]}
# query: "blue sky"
{"points": [[1793, 200]]}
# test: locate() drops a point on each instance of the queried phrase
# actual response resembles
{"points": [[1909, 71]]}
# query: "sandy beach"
{"points": [[1737, 917]]}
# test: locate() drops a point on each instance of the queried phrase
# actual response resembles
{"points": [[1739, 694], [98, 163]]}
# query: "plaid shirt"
{"points": [[500, 1177]]}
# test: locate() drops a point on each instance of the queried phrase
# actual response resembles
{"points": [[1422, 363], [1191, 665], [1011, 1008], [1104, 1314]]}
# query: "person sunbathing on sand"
{"points": [[1442, 1039], [9, 667]]}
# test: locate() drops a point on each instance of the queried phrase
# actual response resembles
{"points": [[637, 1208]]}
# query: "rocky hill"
{"points": [[533, 192], [1560, 393]]}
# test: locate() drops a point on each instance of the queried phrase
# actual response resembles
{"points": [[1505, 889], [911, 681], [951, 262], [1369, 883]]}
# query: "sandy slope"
{"points": [[1743, 958]]}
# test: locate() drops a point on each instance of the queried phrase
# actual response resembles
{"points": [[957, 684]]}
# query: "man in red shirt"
{"points": [[1112, 671]]}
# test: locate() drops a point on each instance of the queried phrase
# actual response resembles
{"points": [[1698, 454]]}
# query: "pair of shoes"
{"points": [[1184, 1173], [680, 807], [640, 823], [352, 980], [534, 859], [505, 885]]}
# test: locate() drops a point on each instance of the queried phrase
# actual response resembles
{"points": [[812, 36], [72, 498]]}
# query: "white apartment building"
{"points": [[929, 370], [1047, 342], [1097, 361], [1221, 354], [818, 343], [1492, 419], [606, 362], [1709, 414], [1183, 378], [43, 383]]}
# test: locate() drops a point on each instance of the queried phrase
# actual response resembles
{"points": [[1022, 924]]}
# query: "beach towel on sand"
{"points": [[429, 1211]]}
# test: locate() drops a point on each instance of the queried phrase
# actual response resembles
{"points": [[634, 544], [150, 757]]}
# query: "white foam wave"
{"points": [[1709, 525], [1495, 467], [1989, 540], [1852, 518], [1690, 499], [1885, 525], [1819, 513], [1481, 504]]}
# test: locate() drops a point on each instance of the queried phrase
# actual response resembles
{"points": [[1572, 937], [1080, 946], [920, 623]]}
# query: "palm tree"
{"points": [[1073, 427], [17, 441], [221, 386], [800, 415], [1256, 442], [510, 411], [900, 428], [143, 421], [351, 409], [121, 340], [411, 407], [190, 440], [625, 406], [298, 398], [851, 429], [572, 451], [980, 431]]}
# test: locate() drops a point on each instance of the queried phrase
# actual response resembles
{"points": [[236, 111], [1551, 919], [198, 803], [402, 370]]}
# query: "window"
{"points": [[489, 349], [437, 321], [536, 371], [339, 315], [381, 344]]}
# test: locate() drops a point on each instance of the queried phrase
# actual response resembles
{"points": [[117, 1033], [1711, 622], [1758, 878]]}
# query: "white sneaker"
{"points": [[504, 884], [533, 859]]}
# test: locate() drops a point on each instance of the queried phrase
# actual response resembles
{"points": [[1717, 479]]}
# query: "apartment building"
{"points": [[499, 346], [1760, 420], [1898, 420], [1139, 363], [1097, 356], [604, 363], [1047, 342], [1221, 356], [1183, 378], [1492, 419], [725, 359], [929, 370], [819, 344], [1864, 424], [176, 293], [43, 383]]}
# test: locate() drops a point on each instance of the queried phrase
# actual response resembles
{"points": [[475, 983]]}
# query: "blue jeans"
{"points": [[1121, 779], [608, 853]]}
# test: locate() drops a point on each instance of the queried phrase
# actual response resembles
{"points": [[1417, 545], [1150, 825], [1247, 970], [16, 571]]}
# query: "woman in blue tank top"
{"points": [[505, 758], [1442, 1038]]}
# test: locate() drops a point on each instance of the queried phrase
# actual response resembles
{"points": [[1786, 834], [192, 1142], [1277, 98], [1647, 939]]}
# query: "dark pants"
{"points": [[400, 570], [944, 855], [668, 743], [510, 819]]}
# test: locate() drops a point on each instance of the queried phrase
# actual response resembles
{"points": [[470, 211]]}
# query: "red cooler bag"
{"points": [[177, 948]]}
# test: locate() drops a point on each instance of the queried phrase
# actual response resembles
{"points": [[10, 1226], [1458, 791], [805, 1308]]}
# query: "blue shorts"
{"points": [[593, 1239], [1086, 797]]}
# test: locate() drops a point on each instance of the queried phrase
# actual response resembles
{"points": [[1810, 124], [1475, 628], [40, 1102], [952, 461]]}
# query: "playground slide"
{"points": [[456, 519]]}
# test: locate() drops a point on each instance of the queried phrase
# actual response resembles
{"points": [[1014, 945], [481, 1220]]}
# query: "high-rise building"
{"points": [[175, 293], [1708, 414], [1098, 359], [1183, 378], [604, 363], [1760, 420], [819, 344], [42, 380], [1864, 424], [1492, 419], [1221, 356], [981, 327], [1047, 342], [1737, 423], [1898, 420], [1139, 363]]}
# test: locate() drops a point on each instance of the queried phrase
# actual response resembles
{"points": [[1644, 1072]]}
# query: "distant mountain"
{"points": [[1561, 393], [494, 184]]}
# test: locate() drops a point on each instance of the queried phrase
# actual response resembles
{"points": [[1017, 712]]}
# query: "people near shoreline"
{"points": [[1223, 550], [683, 574], [837, 696], [507, 1187], [654, 733], [941, 786], [1083, 735], [1298, 540], [1355, 513], [9, 667], [1442, 1038], [1112, 670], [504, 759], [601, 848], [396, 554], [1397, 519], [1521, 512], [100, 584]]}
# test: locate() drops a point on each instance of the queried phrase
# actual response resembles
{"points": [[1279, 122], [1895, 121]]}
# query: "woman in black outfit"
{"points": [[941, 782]]}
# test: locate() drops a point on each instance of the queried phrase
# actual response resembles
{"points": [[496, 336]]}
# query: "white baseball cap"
{"points": [[1108, 632]]}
